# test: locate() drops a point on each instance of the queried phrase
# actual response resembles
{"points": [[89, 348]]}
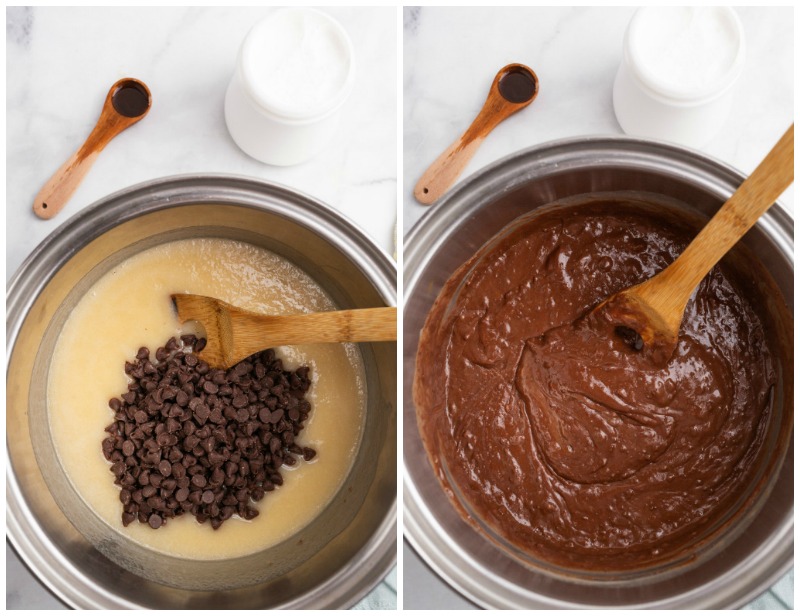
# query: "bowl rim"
{"points": [[561, 147], [421, 529], [26, 537]]}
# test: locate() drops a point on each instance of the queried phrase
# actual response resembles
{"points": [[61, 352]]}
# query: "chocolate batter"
{"points": [[557, 434]]}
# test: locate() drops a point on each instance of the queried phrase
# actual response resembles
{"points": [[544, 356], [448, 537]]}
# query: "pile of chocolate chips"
{"points": [[187, 438]]}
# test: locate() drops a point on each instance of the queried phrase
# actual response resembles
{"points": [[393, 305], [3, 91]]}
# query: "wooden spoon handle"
{"points": [[363, 325], [54, 195], [444, 171], [739, 213]]}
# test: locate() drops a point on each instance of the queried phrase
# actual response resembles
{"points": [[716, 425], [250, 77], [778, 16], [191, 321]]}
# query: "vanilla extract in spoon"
{"points": [[517, 85], [131, 99]]}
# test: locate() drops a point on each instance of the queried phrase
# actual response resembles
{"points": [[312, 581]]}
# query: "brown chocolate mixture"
{"points": [[567, 442]]}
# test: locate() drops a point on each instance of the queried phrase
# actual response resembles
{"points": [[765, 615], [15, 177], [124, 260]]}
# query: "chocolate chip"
{"points": [[128, 448], [202, 413], [182, 398], [189, 340], [217, 477], [165, 468], [239, 401], [630, 337], [168, 485], [215, 458]]}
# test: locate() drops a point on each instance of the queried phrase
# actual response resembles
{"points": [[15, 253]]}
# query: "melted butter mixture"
{"points": [[129, 307], [569, 444]]}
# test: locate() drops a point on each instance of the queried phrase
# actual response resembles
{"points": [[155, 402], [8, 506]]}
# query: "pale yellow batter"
{"points": [[129, 307]]}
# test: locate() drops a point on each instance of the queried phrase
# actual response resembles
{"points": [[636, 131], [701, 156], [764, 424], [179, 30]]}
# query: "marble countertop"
{"points": [[450, 56], [60, 64]]}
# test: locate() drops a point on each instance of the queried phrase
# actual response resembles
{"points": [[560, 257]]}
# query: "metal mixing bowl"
{"points": [[344, 552], [752, 553]]}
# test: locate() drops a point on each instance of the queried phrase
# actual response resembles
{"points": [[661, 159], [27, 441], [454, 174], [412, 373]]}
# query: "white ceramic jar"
{"points": [[679, 67], [294, 71]]}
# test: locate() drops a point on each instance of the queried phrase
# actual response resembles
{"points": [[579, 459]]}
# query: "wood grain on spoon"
{"points": [[127, 102], [514, 88], [234, 334], [654, 309]]}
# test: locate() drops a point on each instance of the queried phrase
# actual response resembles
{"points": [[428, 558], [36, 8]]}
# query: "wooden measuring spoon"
{"points": [[127, 102], [514, 88], [650, 314], [233, 334]]}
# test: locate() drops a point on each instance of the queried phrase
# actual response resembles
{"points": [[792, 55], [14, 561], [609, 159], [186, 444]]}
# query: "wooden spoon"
{"points": [[654, 309], [127, 102], [233, 334], [513, 88]]}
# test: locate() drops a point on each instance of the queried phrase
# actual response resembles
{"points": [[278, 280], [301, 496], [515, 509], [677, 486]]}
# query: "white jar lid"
{"points": [[298, 63], [685, 54]]}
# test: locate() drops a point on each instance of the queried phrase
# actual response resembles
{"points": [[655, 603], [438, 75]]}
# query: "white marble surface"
{"points": [[60, 65], [450, 56]]}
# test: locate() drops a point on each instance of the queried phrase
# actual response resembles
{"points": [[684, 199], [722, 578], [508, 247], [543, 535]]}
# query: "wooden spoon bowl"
{"points": [[653, 310]]}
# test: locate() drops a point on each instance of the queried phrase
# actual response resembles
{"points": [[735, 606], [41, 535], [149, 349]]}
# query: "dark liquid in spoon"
{"points": [[517, 86], [130, 100]]}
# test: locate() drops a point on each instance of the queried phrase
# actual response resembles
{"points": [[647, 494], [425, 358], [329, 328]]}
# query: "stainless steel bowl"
{"points": [[345, 551], [753, 553]]}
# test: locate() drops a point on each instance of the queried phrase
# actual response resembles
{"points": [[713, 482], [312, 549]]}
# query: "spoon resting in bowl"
{"points": [[233, 334], [649, 315]]}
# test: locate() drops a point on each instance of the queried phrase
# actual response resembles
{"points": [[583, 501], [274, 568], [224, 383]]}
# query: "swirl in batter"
{"points": [[569, 444]]}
